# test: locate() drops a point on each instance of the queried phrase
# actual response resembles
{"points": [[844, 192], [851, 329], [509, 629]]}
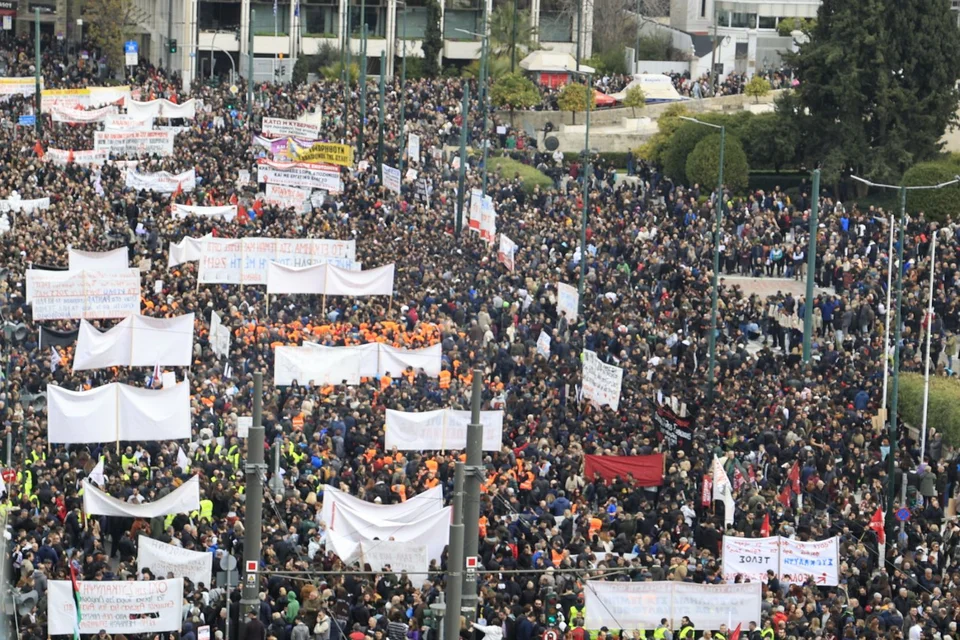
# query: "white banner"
{"points": [[601, 381], [508, 249], [18, 87], [162, 182], [184, 499], [118, 607], [280, 128], [641, 605], [163, 559], [98, 260], [66, 295], [371, 282], [162, 109], [568, 301], [227, 212], [232, 261], [440, 430], [219, 336], [334, 365], [750, 558], [134, 143], [26, 206], [391, 178], [292, 280], [800, 561], [543, 344], [118, 412], [416, 507], [432, 530], [284, 197], [138, 341], [300, 174], [83, 157], [121, 122], [80, 116]]}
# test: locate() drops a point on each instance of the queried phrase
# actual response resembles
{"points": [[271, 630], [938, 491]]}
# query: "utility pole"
{"points": [[38, 123], [811, 267], [465, 117], [454, 586], [894, 401], [253, 16], [254, 469], [363, 92], [474, 478], [383, 91]]}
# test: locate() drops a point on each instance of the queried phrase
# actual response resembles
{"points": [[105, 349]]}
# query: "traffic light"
{"points": [[553, 606], [173, 45]]}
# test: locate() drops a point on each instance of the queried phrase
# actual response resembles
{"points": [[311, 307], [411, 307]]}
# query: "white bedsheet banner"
{"points": [[162, 181], [440, 430], [227, 212], [290, 280], [118, 412], [161, 109], [163, 559], [65, 295], [98, 261], [184, 499], [233, 261], [641, 605], [432, 530], [416, 507], [127, 607], [334, 365], [137, 341], [750, 558], [818, 559]]}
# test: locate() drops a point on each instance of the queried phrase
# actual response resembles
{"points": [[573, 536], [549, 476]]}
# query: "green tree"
{"points": [[635, 99], [757, 87], [432, 40], [703, 163], [514, 91], [934, 203], [502, 35], [879, 83], [575, 98], [108, 24]]}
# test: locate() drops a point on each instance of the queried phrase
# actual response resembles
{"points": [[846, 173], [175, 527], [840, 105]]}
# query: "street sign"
{"points": [[131, 51], [27, 121], [903, 514], [251, 566]]}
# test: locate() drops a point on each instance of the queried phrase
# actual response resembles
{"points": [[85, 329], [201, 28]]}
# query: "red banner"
{"points": [[646, 470]]}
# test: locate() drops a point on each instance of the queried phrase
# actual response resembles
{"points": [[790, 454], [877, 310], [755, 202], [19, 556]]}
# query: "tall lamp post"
{"points": [[586, 190], [484, 47], [892, 430], [715, 288]]}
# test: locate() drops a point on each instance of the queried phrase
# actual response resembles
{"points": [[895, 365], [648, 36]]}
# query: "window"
{"points": [[416, 20], [265, 24], [320, 18], [218, 16], [743, 20], [767, 22]]}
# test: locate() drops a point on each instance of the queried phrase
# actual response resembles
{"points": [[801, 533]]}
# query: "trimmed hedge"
{"points": [[937, 204], [531, 177], [941, 415]]}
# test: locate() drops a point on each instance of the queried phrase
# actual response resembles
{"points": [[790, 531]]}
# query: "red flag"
{"points": [[38, 149], [794, 477], [707, 491], [876, 523], [736, 632], [765, 526], [785, 497]]}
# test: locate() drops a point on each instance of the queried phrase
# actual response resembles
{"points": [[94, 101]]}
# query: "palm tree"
{"points": [[502, 33]]}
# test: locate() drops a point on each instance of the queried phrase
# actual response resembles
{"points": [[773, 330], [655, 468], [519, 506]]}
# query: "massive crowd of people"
{"points": [[546, 527]]}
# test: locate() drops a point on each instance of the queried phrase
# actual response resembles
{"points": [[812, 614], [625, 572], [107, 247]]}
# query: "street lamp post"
{"points": [[715, 288], [484, 70], [586, 192], [895, 391]]}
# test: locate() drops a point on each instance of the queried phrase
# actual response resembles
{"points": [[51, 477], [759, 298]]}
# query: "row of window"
{"points": [[323, 20]]}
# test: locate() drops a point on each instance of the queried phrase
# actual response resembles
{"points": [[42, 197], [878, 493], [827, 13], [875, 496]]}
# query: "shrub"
{"points": [[937, 204], [704, 161], [944, 396], [531, 177]]}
